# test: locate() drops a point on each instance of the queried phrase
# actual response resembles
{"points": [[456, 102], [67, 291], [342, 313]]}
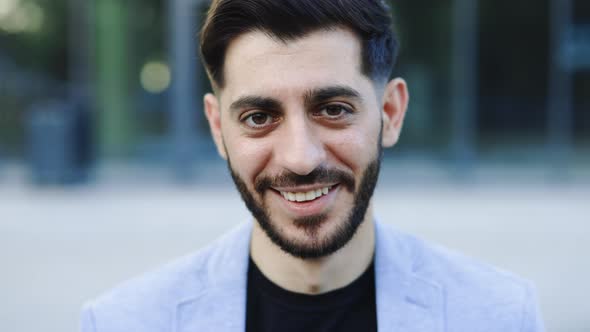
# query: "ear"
{"points": [[213, 114], [395, 104]]}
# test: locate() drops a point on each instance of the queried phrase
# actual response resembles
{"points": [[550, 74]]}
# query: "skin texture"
{"points": [[287, 111]]}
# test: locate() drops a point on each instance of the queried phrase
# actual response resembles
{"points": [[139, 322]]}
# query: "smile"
{"points": [[299, 202], [305, 196]]}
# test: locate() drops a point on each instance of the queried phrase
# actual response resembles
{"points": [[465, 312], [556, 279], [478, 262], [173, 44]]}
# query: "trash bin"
{"points": [[59, 142]]}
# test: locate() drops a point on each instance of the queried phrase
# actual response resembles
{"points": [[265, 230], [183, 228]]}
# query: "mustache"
{"points": [[318, 175]]}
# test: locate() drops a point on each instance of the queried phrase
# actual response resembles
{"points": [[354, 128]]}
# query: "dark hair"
{"points": [[287, 20]]}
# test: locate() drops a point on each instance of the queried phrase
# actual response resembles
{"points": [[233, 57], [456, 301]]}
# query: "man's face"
{"points": [[301, 129]]}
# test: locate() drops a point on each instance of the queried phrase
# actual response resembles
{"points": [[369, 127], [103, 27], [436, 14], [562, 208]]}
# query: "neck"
{"points": [[315, 276]]}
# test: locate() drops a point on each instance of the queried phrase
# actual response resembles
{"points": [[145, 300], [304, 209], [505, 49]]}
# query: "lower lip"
{"points": [[309, 208]]}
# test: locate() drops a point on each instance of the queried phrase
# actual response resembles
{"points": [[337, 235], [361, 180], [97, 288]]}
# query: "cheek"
{"points": [[354, 147], [248, 157]]}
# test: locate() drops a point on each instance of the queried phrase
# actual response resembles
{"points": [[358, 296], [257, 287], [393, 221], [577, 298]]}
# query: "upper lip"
{"points": [[303, 189]]}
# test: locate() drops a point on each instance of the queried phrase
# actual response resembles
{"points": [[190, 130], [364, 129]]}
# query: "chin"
{"points": [[311, 237]]}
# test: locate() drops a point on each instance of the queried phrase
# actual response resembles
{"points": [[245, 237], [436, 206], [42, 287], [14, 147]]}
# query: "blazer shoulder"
{"points": [[148, 302], [453, 269], [473, 291]]}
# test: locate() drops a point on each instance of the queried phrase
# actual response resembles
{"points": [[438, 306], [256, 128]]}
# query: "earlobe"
{"points": [[395, 105], [213, 114]]}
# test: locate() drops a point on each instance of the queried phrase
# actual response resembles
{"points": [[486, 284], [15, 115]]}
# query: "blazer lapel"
{"points": [[216, 310], [406, 302], [220, 305]]}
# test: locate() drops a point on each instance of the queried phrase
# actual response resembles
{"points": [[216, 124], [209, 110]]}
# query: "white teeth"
{"points": [[305, 196], [300, 197]]}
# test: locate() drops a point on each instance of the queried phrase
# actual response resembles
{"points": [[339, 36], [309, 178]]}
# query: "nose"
{"points": [[299, 149]]}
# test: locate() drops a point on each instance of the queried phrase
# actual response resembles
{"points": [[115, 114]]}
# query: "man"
{"points": [[302, 107]]}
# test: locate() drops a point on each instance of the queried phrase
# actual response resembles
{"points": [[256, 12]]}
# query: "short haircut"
{"points": [[288, 20]]}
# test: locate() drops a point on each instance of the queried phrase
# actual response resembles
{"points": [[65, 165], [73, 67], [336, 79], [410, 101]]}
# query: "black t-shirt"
{"points": [[271, 308]]}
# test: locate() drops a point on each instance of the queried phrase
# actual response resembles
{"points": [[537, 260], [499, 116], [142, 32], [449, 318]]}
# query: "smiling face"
{"points": [[302, 130]]}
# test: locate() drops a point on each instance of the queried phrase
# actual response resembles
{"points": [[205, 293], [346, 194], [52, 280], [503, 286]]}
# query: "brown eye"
{"points": [[258, 120], [334, 110]]}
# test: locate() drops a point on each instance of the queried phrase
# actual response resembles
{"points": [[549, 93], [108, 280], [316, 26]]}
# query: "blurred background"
{"points": [[107, 169]]}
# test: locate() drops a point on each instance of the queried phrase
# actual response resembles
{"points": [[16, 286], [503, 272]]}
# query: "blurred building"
{"points": [[492, 81], [86, 84]]}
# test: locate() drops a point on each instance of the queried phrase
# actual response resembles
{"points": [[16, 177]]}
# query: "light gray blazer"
{"points": [[419, 288]]}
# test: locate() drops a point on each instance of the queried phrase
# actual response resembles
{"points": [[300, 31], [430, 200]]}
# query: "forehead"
{"points": [[260, 64]]}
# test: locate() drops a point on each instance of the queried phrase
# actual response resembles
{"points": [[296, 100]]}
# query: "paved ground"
{"points": [[59, 247]]}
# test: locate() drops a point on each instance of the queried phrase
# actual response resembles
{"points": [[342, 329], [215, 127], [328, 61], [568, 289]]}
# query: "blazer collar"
{"points": [[406, 301], [220, 303]]}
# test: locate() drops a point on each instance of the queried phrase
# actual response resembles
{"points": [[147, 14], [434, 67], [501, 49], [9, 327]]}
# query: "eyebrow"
{"points": [[257, 102], [321, 95], [311, 98]]}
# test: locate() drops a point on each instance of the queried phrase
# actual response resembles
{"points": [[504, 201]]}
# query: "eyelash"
{"points": [[346, 111], [246, 117]]}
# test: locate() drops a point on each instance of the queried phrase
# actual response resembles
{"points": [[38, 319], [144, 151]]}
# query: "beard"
{"points": [[315, 246]]}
